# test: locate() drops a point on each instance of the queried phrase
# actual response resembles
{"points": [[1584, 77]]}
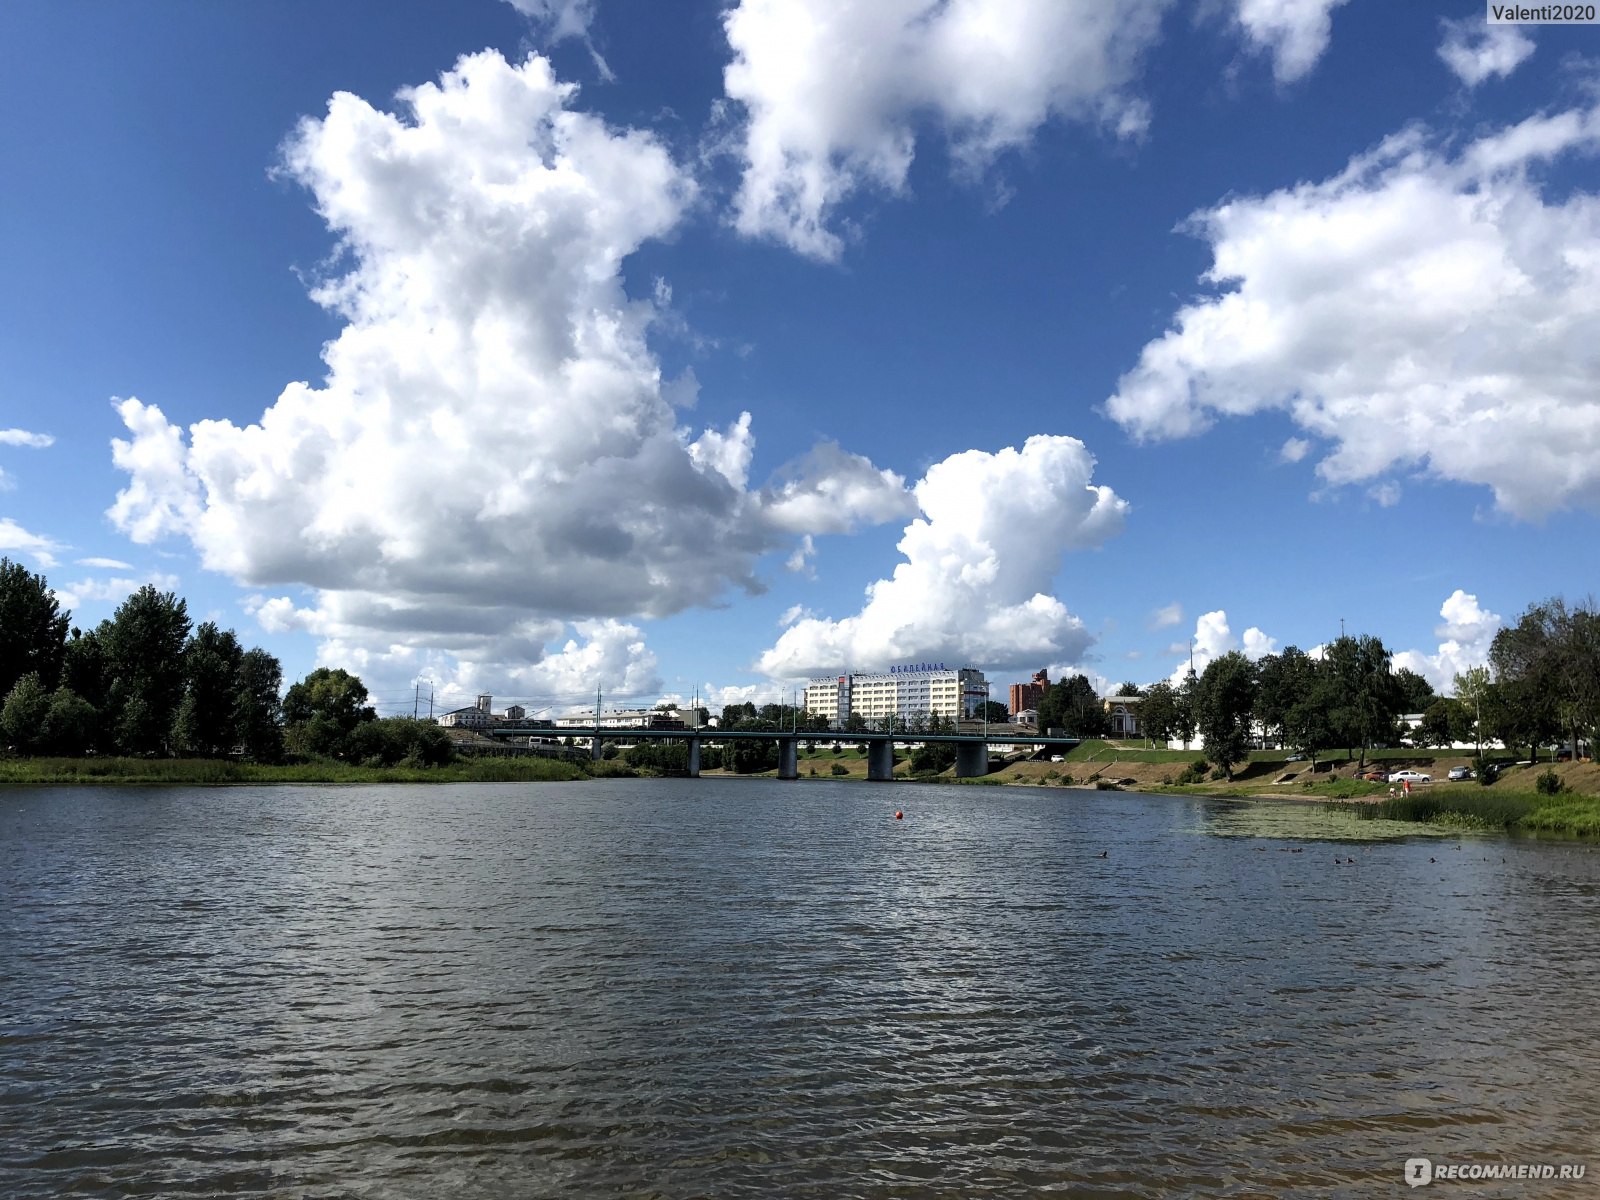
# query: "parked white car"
{"points": [[1409, 777]]}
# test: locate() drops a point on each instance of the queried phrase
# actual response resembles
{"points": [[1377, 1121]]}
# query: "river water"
{"points": [[725, 988]]}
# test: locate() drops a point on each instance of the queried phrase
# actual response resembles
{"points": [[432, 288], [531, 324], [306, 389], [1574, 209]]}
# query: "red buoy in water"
{"points": [[898, 815]]}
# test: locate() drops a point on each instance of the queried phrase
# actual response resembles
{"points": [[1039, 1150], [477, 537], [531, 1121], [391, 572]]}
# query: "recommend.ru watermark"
{"points": [[1542, 14], [1420, 1171]]}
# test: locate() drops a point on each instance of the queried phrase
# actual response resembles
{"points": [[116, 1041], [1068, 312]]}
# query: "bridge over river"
{"points": [[972, 749]]}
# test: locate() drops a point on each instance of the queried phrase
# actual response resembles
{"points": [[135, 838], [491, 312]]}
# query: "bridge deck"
{"points": [[734, 735]]}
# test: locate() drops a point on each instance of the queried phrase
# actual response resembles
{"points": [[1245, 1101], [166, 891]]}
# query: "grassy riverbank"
{"points": [[1518, 811], [1511, 802], [185, 771]]}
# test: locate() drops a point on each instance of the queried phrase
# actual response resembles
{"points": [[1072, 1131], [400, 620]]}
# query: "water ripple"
{"points": [[681, 988]]}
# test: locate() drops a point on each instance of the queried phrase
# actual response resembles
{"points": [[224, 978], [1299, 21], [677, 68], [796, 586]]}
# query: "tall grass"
{"points": [[1485, 809]]}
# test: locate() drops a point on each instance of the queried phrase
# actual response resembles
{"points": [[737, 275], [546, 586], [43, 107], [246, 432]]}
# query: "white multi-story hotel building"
{"points": [[908, 692]]}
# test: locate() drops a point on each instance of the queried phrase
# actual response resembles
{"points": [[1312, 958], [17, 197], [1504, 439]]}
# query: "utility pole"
{"points": [[416, 699], [430, 704]]}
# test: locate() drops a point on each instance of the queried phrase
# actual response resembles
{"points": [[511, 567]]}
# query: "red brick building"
{"points": [[1028, 695]]}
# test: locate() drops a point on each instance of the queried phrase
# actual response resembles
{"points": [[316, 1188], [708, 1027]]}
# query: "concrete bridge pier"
{"points": [[972, 760], [594, 747], [880, 760], [694, 758], [789, 758]]}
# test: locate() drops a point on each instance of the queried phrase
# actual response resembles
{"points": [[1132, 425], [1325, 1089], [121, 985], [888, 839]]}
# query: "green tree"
{"points": [[748, 756], [1440, 723], [1159, 712], [992, 711], [144, 643], [1129, 688], [666, 758], [782, 716], [1072, 704], [257, 711], [933, 757], [70, 723], [1472, 687], [1363, 695], [1188, 708], [1584, 666], [1526, 658], [33, 630], [323, 709], [1308, 725], [1225, 700], [1284, 681], [206, 723], [22, 716], [1574, 634], [1416, 693], [398, 741], [84, 667]]}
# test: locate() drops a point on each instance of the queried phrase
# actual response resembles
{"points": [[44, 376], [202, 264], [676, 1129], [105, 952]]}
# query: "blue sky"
{"points": [[540, 346]]}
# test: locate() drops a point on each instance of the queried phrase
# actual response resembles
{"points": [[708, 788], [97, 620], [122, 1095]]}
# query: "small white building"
{"points": [[1123, 714], [622, 718], [476, 717]]}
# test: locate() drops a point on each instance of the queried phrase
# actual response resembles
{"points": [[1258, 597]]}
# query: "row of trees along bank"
{"points": [[147, 683], [1542, 684]]}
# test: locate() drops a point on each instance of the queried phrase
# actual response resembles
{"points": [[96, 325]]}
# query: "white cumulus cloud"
{"points": [[1466, 633], [564, 18], [1420, 310], [14, 537], [830, 490], [978, 563], [112, 590], [1476, 50], [1167, 616], [1386, 494], [1293, 32], [1213, 637], [831, 92], [490, 455], [21, 437]]}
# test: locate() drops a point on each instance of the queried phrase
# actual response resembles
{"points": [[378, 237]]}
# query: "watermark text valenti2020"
{"points": [[1543, 14], [1420, 1171]]}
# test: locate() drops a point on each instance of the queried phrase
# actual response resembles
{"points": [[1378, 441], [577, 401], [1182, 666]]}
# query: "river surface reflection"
{"points": [[728, 988]]}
